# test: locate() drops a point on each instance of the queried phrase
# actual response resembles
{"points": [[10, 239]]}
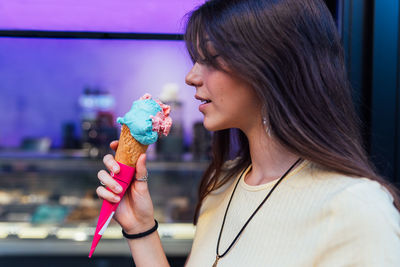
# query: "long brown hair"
{"points": [[290, 52]]}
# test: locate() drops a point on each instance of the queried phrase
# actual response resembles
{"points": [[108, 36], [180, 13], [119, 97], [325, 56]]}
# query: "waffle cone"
{"points": [[129, 149]]}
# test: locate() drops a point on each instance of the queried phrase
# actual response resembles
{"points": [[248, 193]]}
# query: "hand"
{"points": [[135, 212]]}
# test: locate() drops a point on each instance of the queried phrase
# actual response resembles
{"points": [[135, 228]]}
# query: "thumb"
{"points": [[141, 172]]}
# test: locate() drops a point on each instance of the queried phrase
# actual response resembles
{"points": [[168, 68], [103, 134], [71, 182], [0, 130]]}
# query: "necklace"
{"points": [[219, 256]]}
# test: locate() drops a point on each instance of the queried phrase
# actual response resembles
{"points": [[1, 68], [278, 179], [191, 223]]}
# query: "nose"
{"points": [[193, 78]]}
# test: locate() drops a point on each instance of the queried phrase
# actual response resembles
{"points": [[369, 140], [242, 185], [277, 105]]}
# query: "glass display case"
{"points": [[48, 205]]}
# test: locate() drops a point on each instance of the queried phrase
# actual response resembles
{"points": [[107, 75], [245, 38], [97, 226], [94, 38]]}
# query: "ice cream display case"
{"points": [[48, 204]]}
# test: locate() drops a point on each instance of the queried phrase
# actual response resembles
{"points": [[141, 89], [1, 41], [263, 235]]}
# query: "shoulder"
{"points": [[337, 186], [364, 197], [367, 205], [350, 200], [352, 192], [217, 195], [360, 215], [357, 195]]}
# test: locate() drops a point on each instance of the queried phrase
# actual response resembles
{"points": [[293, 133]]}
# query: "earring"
{"points": [[267, 126]]}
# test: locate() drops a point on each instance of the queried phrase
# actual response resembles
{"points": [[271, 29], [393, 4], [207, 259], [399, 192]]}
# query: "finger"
{"points": [[111, 163], [107, 195], [141, 171], [114, 145], [109, 182]]}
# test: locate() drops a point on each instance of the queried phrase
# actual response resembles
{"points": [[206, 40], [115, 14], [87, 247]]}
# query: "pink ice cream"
{"points": [[162, 122]]}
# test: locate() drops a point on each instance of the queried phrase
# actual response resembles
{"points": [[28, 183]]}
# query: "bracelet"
{"points": [[139, 235]]}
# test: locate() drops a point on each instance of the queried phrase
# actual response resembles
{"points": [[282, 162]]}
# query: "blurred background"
{"points": [[69, 68]]}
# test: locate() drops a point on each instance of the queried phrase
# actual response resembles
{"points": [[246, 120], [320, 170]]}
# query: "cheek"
{"points": [[221, 101], [242, 105]]}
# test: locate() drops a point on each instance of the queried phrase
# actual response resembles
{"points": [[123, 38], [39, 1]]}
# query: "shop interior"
{"points": [[68, 70]]}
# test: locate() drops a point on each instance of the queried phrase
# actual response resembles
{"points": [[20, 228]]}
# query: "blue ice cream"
{"points": [[139, 120]]}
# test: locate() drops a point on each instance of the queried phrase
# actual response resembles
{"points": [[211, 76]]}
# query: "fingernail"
{"points": [[118, 189], [115, 168], [116, 199]]}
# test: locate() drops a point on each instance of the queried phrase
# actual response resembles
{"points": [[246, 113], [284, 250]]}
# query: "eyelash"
{"points": [[205, 61]]}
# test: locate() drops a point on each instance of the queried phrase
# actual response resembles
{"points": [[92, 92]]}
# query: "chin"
{"points": [[209, 126], [213, 126]]}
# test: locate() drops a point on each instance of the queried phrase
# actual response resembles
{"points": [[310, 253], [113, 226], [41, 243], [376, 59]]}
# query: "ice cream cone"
{"points": [[148, 119], [129, 149]]}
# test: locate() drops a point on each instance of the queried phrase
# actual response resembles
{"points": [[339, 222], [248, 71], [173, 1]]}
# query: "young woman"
{"points": [[289, 183]]}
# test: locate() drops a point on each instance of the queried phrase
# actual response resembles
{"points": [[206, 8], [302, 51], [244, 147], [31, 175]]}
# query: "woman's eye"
{"points": [[203, 61], [207, 61]]}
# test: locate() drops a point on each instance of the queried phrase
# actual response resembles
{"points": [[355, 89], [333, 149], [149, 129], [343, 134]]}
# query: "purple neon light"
{"points": [[132, 16], [42, 80]]}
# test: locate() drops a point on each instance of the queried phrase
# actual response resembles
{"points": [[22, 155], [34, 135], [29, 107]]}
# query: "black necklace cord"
{"points": [[252, 215]]}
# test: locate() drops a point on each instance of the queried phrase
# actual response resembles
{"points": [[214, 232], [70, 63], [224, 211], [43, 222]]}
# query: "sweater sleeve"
{"points": [[363, 228]]}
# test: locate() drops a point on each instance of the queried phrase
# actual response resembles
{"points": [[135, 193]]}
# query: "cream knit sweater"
{"points": [[313, 218]]}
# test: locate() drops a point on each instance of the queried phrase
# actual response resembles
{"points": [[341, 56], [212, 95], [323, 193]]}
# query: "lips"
{"points": [[202, 99], [204, 103]]}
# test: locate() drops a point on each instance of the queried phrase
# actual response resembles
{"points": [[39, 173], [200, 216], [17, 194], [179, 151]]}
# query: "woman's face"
{"points": [[225, 100]]}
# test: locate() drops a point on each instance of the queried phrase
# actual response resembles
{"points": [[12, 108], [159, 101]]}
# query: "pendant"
{"points": [[216, 261]]}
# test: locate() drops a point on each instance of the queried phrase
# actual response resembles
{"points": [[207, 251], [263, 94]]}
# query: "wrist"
{"points": [[141, 234], [139, 227]]}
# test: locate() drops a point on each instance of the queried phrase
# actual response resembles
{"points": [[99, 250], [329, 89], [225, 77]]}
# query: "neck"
{"points": [[270, 160]]}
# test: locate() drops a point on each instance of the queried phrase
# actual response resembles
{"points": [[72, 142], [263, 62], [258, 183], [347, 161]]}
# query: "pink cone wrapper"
{"points": [[124, 178]]}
